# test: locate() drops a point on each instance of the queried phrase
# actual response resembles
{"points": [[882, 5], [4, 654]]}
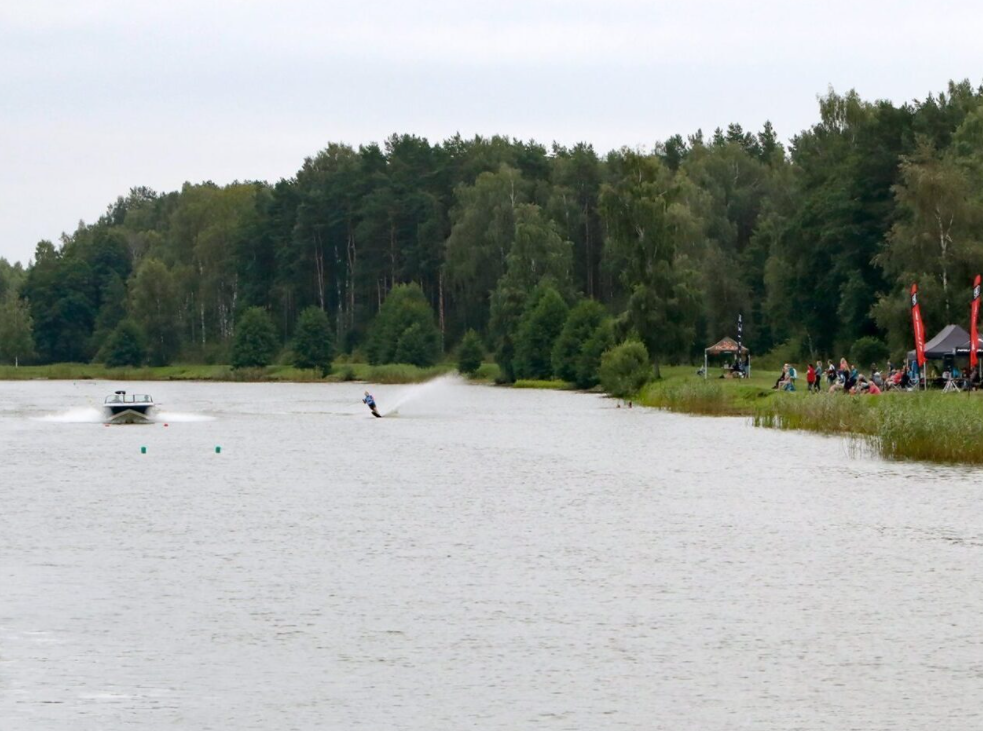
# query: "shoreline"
{"points": [[929, 427], [341, 372]]}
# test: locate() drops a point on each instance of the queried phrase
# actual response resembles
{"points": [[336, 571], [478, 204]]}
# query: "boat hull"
{"points": [[139, 415]]}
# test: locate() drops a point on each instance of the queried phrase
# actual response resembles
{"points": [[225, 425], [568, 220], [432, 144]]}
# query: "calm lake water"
{"points": [[485, 559]]}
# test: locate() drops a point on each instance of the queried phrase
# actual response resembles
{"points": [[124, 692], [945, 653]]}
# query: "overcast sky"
{"points": [[97, 96]]}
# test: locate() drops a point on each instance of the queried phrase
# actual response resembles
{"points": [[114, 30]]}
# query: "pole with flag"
{"points": [[919, 327], [974, 311], [740, 339]]}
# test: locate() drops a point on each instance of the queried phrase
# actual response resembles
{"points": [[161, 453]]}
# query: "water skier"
{"points": [[370, 402]]}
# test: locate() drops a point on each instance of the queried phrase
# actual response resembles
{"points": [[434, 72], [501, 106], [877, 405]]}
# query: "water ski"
{"points": [[376, 414]]}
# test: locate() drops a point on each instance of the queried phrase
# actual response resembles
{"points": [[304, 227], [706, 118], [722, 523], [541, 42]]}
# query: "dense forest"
{"points": [[813, 243]]}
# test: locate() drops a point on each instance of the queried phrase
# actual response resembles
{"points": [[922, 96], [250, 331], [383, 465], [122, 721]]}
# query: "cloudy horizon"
{"points": [[115, 95]]}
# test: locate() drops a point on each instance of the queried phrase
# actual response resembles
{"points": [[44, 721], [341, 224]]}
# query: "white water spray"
{"points": [[431, 397], [80, 415]]}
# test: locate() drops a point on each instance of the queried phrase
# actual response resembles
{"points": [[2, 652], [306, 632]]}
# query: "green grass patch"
{"points": [[693, 396], [553, 385], [931, 426], [388, 374], [487, 372], [824, 413], [84, 371], [681, 390]]}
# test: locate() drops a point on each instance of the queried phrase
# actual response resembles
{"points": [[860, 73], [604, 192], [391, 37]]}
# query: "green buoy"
{"points": [[218, 450], [143, 450]]}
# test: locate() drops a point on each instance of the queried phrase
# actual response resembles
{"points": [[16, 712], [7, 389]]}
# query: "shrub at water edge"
{"points": [[470, 354], [625, 369]]}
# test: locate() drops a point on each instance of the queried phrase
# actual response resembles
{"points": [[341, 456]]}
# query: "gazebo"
{"points": [[949, 339], [727, 346], [951, 342]]}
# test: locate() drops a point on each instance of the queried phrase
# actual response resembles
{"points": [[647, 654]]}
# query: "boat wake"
{"points": [[177, 417], [93, 415]]}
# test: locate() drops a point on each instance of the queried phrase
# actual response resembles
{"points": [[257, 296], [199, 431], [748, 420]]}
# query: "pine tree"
{"points": [[313, 346], [405, 307], [580, 325], [589, 360], [125, 346], [255, 342], [415, 347], [540, 326]]}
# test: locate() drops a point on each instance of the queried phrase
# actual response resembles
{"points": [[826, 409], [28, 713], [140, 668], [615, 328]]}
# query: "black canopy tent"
{"points": [[727, 346], [963, 350], [947, 342]]}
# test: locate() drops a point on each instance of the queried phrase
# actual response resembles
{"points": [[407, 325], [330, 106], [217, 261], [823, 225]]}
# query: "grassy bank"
{"points": [[681, 390], [553, 385], [931, 426], [397, 373]]}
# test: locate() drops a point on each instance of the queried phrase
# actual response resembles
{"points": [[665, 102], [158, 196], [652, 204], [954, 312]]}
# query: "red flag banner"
{"points": [[974, 311], [916, 321]]}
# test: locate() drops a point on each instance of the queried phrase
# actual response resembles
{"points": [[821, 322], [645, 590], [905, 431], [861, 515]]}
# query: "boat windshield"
{"points": [[135, 398]]}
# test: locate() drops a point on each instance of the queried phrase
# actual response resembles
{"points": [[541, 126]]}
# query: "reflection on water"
{"points": [[493, 559]]}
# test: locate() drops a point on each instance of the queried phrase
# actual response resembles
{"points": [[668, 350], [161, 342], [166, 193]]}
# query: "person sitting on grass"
{"points": [[864, 385], [790, 377], [850, 377], [843, 372], [877, 378], [780, 383]]}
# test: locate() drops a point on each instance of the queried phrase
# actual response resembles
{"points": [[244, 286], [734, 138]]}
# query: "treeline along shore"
{"points": [[555, 263]]}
